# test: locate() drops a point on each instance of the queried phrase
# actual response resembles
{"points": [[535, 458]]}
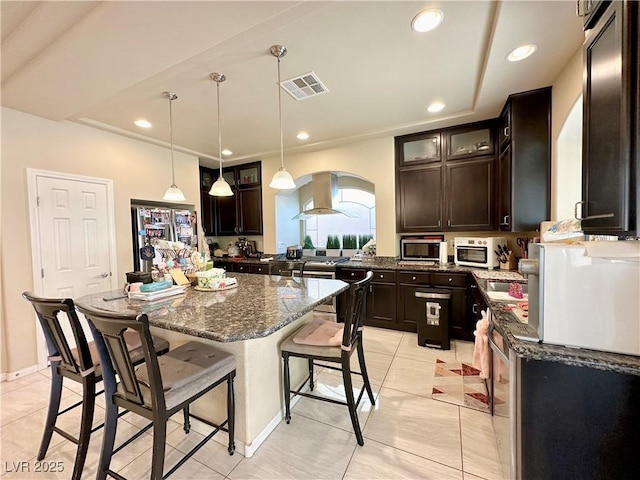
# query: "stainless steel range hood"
{"points": [[325, 188]]}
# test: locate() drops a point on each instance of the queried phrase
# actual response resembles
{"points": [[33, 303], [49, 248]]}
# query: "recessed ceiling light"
{"points": [[227, 152], [435, 107], [142, 123], [521, 53], [427, 20], [302, 136]]}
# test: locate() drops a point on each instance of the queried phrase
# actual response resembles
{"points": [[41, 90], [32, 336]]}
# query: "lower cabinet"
{"points": [[380, 309], [391, 300]]}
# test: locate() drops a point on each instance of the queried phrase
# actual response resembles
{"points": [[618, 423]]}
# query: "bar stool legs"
{"points": [[52, 413], [231, 414]]}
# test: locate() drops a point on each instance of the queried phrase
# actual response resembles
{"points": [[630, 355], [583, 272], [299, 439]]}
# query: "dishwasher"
{"points": [[504, 403]]}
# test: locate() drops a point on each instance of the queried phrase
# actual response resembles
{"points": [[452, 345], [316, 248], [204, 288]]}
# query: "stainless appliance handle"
{"points": [[495, 348], [443, 296]]}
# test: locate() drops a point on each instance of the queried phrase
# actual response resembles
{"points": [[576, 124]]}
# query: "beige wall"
{"points": [[566, 90], [138, 170]]}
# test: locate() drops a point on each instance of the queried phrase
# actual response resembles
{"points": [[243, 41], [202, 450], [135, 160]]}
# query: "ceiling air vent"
{"points": [[304, 86]]}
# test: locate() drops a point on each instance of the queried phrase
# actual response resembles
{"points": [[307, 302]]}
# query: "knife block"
{"points": [[511, 263]]}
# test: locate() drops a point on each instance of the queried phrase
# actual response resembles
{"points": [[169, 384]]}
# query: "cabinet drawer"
{"points": [[449, 279], [384, 276], [243, 267], [351, 275], [261, 269], [414, 278]]}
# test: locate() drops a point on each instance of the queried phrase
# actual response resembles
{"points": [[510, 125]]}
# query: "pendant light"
{"points": [[173, 193], [220, 188], [282, 180]]}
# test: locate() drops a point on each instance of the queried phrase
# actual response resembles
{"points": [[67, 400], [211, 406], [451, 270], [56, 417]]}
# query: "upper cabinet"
{"points": [[591, 10], [611, 122], [524, 163], [239, 214], [419, 148], [445, 179]]}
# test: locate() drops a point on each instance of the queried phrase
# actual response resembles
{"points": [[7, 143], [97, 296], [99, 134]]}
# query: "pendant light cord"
{"points": [[172, 96], [219, 132], [280, 113]]}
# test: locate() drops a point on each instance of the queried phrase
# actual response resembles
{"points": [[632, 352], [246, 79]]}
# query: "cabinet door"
{"points": [[470, 194], [607, 126], [206, 207], [459, 322], [504, 189], [418, 148], [470, 141], [409, 309], [381, 305], [250, 211], [419, 199], [248, 175], [226, 215]]}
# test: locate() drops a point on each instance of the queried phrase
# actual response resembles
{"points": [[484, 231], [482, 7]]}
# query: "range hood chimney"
{"points": [[325, 188]]}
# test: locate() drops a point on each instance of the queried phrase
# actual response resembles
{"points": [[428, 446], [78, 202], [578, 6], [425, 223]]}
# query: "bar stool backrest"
{"points": [[48, 310], [113, 349], [355, 306]]}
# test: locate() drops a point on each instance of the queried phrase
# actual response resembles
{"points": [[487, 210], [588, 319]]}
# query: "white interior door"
{"points": [[73, 239]]}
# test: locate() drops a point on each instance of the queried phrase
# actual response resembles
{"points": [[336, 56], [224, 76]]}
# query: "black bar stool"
{"points": [[328, 341], [80, 364], [157, 389]]}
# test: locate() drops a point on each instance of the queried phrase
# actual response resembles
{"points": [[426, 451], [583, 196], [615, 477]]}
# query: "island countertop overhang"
{"points": [[258, 307]]}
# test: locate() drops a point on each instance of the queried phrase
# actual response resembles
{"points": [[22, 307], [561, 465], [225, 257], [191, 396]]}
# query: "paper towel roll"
{"points": [[444, 253]]}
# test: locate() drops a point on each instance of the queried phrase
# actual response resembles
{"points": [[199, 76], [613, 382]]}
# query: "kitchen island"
{"points": [[248, 321]]}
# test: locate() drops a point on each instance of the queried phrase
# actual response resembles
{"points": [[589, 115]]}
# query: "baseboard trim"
{"points": [[11, 376]]}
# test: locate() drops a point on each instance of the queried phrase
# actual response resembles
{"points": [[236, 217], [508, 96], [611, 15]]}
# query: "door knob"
{"points": [[104, 274]]}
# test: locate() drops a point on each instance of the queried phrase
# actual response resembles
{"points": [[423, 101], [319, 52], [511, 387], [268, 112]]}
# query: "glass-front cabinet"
{"points": [[469, 142], [420, 148]]}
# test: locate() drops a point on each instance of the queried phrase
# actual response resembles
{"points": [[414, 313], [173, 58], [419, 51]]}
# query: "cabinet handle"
{"points": [[505, 220], [370, 288], [413, 278], [450, 279], [575, 210], [474, 308], [449, 222], [352, 274], [438, 223], [506, 132]]}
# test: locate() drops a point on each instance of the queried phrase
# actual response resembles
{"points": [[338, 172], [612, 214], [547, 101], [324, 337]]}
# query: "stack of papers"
{"points": [[149, 296]]}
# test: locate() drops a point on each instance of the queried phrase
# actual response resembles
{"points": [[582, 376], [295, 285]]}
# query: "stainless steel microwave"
{"points": [[421, 248]]}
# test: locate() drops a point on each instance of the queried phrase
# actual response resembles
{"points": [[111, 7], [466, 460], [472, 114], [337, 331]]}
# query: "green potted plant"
{"points": [[349, 245], [308, 250], [333, 246]]}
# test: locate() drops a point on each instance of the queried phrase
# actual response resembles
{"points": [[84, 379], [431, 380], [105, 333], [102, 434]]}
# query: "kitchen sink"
{"points": [[499, 291], [503, 287]]}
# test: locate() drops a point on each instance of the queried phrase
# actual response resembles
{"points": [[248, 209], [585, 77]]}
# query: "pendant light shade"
{"points": [[220, 188], [173, 193], [282, 180]]}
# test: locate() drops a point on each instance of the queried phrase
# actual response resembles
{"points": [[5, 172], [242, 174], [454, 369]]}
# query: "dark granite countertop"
{"points": [[259, 306]]}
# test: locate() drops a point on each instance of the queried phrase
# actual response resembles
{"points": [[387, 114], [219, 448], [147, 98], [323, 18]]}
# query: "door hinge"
{"points": [[42, 273], [38, 201]]}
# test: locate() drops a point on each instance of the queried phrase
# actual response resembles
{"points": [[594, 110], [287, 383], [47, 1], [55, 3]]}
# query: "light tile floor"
{"points": [[407, 434]]}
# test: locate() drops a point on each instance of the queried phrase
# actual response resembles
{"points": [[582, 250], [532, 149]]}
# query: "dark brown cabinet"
{"points": [[469, 194], [610, 122], [419, 199], [450, 192], [239, 214], [524, 164], [380, 309]]}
